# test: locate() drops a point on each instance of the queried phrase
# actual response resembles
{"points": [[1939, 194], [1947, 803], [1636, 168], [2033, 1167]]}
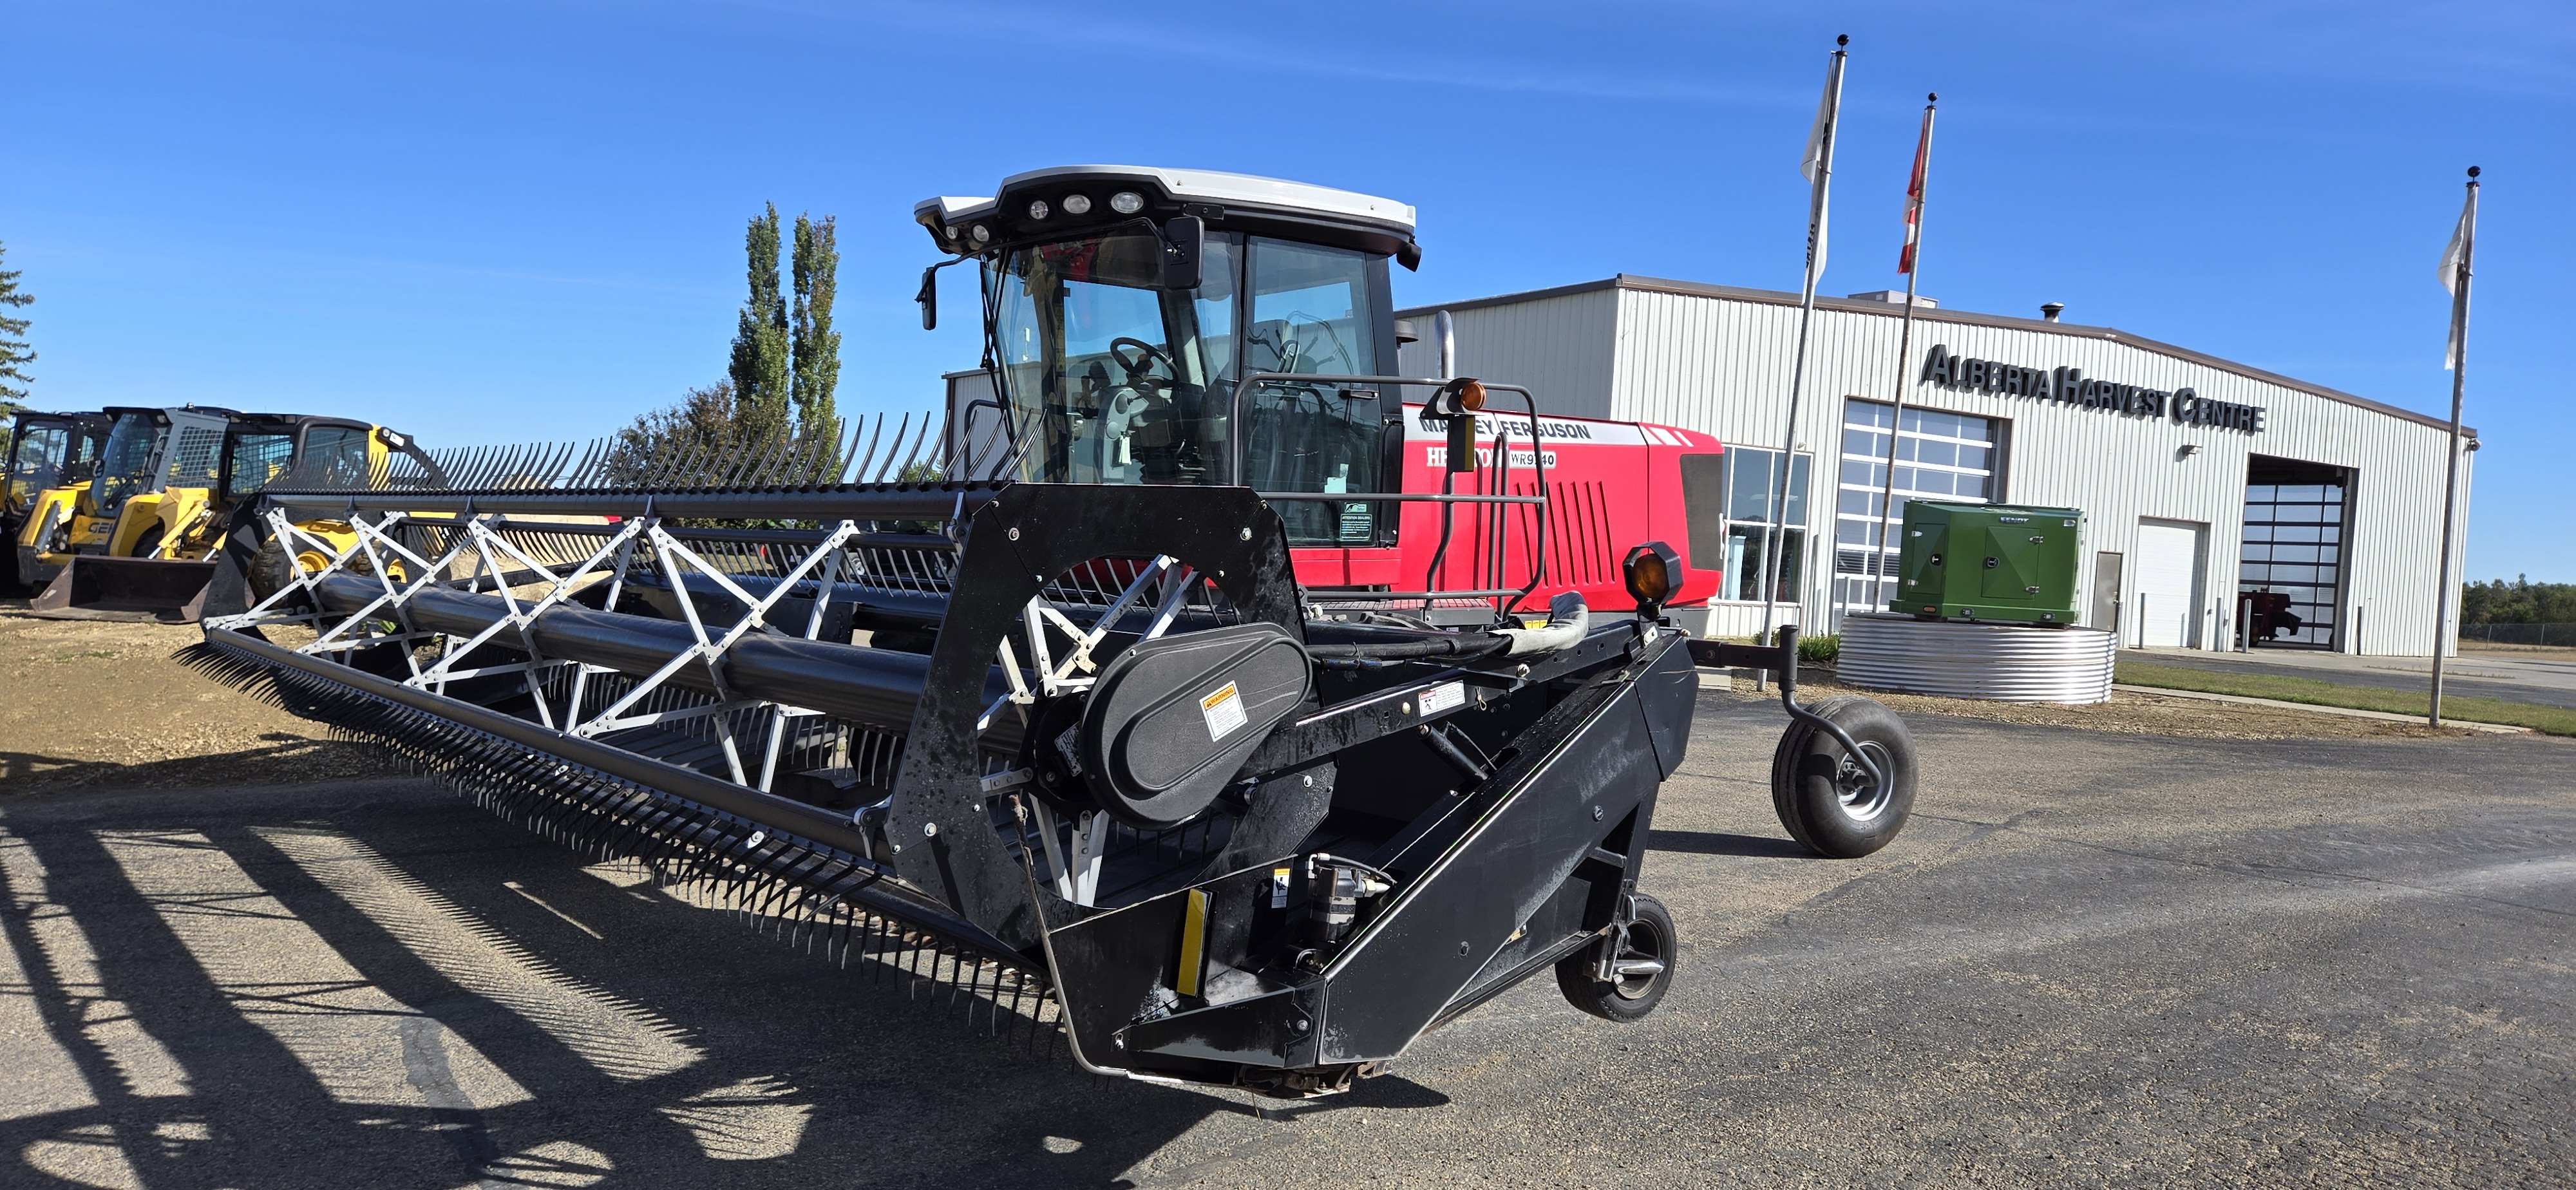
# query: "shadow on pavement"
{"points": [[435, 997], [36, 772], [1722, 843]]}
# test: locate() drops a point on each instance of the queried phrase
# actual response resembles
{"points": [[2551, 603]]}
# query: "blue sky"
{"points": [[495, 223]]}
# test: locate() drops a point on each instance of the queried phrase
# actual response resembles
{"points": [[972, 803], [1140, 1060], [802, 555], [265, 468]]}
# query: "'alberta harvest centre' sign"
{"points": [[2070, 386]]}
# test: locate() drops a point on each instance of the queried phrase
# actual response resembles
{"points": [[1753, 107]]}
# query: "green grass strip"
{"points": [[2552, 720]]}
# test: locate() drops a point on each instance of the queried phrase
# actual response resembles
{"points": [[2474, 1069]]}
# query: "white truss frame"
{"points": [[1075, 849]]}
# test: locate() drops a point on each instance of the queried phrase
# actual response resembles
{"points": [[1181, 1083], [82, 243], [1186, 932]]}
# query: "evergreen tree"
{"points": [[817, 346], [14, 352], [761, 369]]}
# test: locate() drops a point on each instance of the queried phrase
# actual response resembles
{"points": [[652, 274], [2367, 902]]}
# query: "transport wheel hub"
{"points": [[1863, 798]]}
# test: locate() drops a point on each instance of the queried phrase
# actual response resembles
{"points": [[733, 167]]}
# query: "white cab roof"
{"points": [[1207, 186]]}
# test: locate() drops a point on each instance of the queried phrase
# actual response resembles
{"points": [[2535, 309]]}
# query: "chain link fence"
{"points": [[2562, 635]]}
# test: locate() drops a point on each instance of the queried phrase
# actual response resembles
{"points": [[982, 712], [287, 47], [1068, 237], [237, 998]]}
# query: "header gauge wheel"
{"points": [[1640, 972]]}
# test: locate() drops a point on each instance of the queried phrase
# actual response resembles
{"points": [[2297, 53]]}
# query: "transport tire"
{"points": [[1828, 802], [1627, 1000]]}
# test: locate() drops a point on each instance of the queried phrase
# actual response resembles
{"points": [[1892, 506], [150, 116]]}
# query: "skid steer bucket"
{"points": [[1082, 757], [96, 587]]}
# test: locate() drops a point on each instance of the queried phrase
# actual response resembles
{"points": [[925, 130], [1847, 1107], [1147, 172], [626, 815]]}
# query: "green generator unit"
{"points": [[1988, 562]]}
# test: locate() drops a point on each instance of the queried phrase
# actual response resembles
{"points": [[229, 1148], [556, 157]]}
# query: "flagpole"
{"points": [[1779, 510], [1904, 351], [2451, 477]]}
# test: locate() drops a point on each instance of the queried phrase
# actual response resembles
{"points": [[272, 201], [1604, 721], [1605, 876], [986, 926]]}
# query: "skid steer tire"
{"points": [[1828, 803], [146, 545], [270, 570], [1626, 1001]]}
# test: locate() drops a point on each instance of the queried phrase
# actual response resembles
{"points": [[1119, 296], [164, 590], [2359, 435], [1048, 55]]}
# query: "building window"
{"points": [[1752, 495], [1950, 457]]}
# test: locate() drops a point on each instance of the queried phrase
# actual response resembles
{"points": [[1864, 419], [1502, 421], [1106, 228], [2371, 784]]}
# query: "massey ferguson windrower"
{"points": [[1068, 743]]}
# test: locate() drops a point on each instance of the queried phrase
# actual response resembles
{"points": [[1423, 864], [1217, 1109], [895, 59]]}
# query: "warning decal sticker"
{"points": [[1446, 696], [1224, 711]]}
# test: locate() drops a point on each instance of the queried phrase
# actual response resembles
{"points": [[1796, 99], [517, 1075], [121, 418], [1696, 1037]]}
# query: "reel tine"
{"points": [[590, 460], [810, 457], [947, 447], [886, 463], [691, 464], [861, 475], [489, 470], [849, 451], [900, 429], [731, 465], [754, 461], [766, 474], [920, 439]]}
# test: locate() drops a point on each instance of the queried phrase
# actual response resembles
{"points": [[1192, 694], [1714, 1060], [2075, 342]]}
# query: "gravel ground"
{"points": [[100, 704], [2096, 958]]}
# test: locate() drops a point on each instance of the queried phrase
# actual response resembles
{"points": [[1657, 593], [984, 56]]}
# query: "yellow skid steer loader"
{"points": [[50, 456], [146, 549]]}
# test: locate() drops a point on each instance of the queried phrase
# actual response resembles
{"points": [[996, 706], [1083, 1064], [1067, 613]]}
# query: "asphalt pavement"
{"points": [[2092, 959], [2546, 679]]}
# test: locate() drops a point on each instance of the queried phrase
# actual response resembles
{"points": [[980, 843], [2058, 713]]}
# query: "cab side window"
{"points": [[337, 453], [254, 460], [1309, 315]]}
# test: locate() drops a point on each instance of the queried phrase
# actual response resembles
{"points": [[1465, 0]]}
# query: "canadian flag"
{"points": [[1914, 196]]}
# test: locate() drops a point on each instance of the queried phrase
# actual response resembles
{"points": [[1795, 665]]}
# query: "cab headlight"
{"points": [[1077, 204], [1126, 202]]}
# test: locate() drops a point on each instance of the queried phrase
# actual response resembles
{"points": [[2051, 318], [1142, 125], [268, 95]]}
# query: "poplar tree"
{"points": [[786, 362], [817, 346], [761, 369]]}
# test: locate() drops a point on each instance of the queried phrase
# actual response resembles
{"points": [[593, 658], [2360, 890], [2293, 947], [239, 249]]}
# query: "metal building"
{"points": [[2203, 480]]}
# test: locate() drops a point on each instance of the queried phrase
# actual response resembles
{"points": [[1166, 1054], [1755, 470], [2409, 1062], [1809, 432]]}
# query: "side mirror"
{"points": [[1183, 240], [929, 298]]}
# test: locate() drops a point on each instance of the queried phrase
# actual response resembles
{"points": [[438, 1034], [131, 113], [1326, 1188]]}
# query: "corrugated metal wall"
{"points": [[1558, 347], [1722, 366]]}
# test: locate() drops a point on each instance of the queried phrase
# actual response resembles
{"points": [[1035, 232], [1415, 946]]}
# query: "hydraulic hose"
{"points": [[1567, 621]]}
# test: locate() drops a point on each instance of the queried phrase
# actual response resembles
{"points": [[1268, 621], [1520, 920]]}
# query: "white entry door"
{"points": [[2166, 610]]}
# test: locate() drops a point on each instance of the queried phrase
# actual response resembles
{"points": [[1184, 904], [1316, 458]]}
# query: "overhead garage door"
{"points": [[2168, 600]]}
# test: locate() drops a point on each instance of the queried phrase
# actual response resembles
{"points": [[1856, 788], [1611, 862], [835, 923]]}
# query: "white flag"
{"points": [[1819, 160], [1815, 162], [2454, 259]]}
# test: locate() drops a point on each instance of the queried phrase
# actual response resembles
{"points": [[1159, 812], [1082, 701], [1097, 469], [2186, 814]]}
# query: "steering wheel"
{"points": [[1146, 355]]}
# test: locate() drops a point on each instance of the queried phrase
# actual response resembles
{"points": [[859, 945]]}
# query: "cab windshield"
{"points": [[125, 467], [1109, 378], [38, 456]]}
